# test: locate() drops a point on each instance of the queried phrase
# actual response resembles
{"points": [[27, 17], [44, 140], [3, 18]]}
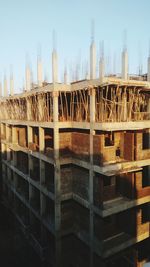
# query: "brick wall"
{"points": [[81, 145], [22, 137], [66, 180], [128, 146], [80, 182], [140, 153], [65, 143]]}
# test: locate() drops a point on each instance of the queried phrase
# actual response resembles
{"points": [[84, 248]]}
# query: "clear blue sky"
{"points": [[24, 24]]}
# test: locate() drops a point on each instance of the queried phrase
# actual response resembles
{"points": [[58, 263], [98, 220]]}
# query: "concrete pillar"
{"points": [[125, 64], [5, 87], [7, 132], [30, 140], [8, 154], [29, 134], [14, 135], [124, 104], [57, 180], [41, 140], [148, 108], [55, 106], [54, 66], [92, 61], [39, 71], [101, 69], [91, 172], [42, 172], [28, 78], [92, 105], [42, 148], [14, 158], [148, 69]]}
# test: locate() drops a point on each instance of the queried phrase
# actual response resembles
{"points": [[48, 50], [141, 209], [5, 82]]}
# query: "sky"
{"points": [[28, 24]]}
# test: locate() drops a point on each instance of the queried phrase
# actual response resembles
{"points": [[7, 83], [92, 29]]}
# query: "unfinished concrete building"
{"points": [[76, 166]]}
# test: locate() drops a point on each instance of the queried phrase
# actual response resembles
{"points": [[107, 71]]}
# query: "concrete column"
{"points": [[30, 140], [29, 134], [148, 69], [92, 61], [42, 172], [2, 126], [8, 154], [14, 135], [55, 106], [124, 103], [7, 133], [148, 108], [92, 105], [14, 158], [54, 66], [101, 69], [28, 78], [91, 172], [57, 181], [14, 141], [39, 72], [5, 87], [124, 64], [41, 140]]}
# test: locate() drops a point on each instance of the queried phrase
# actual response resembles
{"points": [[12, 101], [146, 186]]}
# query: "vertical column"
{"points": [[14, 135], [5, 87], [29, 135], [30, 166], [148, 108], [91, 172], [42, 148], [7, 148], [42, 173], [92, 61], [148, 69], [125, 64], [28, 78], [54, 66], [39, 71], [57, 180], [41, 140]]}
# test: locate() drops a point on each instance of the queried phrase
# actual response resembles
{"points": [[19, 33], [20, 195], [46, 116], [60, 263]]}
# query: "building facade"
{"points": [[76, 168]]}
